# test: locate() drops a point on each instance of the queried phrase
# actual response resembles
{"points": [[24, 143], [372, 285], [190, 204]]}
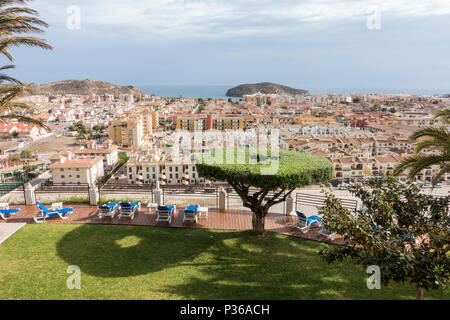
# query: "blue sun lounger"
{"points": [[8, 213], [165, 213], [128, 209], [42, 215], [191, 213], [108, 210], [304, 222]]}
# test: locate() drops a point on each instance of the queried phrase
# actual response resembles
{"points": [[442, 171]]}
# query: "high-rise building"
{"points": [[128, 133], [208, 122]]}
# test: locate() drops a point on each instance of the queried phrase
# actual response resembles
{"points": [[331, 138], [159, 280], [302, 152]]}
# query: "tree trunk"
{"points": [[258, 221], [419, 292]]}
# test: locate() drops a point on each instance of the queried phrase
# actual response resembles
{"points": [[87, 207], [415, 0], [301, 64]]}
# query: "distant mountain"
{"points": [[266, 88], [82, 87]]}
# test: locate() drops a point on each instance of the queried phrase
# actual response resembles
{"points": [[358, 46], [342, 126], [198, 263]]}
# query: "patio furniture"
{"points": [[191, 213], [203, 210], [7, 213], [108, 210], [304, 223], [152, 206], [128, 209], [57, 206], [44, 213], [327, 234], [165, 213], [4, 206]]}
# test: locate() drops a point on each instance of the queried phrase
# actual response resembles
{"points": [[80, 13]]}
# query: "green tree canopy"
{"points": [[402, 231], [273, 176], [295, 169]]}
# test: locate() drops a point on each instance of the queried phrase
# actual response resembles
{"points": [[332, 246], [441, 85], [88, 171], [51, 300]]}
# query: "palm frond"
{"points": [[445, 169], [17, 20], [434, 143], [10, 92], [26, 120], [444, 115], [437, 133], [15, 104], [418, 163]]}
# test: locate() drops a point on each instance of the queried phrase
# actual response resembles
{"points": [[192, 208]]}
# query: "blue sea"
{"points": [[190, 91], [219, 91]]}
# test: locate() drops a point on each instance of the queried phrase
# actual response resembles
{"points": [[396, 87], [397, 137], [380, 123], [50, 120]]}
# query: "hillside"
{"points": [[82, 87], [266, 88]]}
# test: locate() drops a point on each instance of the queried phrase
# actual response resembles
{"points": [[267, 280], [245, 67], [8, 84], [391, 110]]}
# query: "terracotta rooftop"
{"points": [[77, 163]]}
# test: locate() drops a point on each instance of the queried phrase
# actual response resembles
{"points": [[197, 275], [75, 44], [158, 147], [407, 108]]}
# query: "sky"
{"points": [[304, 43]]}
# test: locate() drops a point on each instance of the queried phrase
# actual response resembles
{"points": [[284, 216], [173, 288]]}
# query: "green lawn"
{"points": [[122, 262]]}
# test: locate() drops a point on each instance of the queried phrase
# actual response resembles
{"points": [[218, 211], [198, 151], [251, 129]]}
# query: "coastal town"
{"points": [[361, 134], [224, 159]]}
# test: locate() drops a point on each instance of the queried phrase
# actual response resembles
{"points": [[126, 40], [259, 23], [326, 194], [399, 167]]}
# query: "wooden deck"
{"points": [[228, 220]]}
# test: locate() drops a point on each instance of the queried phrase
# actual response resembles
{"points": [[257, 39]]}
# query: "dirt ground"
{"points": [[61, 143]]}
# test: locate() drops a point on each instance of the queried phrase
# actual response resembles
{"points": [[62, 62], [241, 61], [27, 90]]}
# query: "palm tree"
{"points": [[439, 139], [16, 23], [444, 115]]}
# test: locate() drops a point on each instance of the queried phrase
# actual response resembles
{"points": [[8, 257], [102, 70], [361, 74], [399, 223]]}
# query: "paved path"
{"points": [[8, 229]]}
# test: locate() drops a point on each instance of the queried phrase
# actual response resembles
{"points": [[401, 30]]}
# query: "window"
{"points": [[78, 176], [130, 170], [153, 169], [62, 176], [170, 169], [154, 176], [131, 177], [193, 168], [193, 175], [148, 169]]}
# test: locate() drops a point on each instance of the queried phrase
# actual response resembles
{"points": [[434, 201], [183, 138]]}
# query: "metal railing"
{"points": [[234, 202], [317, 201], [49, 187], [184, 195], [126, 192]]}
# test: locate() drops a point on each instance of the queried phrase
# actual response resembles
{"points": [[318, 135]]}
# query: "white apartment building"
{"points": [[167, 172], [106, 150], [70, 170]]}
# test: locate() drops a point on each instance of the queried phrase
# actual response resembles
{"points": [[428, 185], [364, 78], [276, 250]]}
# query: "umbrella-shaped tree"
{"points": [[263, 179]]}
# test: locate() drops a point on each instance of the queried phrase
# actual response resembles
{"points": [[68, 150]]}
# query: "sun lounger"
{"points": [[191, 213], [128, 209], [165, 213], [327, 234], [108, 210], [8, 213], [304, 223], [44, 213]]}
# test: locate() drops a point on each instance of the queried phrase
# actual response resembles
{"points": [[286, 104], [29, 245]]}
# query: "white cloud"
{"points": [[228, 18]]}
